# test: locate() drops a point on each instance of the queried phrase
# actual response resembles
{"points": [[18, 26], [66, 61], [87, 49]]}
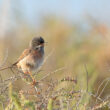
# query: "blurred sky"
{"points": [[72, 10]]}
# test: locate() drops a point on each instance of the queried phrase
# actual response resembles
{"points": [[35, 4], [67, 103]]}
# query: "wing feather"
{"points": [[24, 54]]}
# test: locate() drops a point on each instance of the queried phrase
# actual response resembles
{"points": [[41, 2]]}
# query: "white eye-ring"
{"points": [[37, 47]]}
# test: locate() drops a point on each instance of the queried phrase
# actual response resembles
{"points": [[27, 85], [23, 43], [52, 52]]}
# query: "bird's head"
{"points": [[37, 43]]}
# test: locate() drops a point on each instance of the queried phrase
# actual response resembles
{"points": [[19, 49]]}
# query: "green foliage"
{"points": [[1, 106], [50, 104], [30, 105], [18, 102]]}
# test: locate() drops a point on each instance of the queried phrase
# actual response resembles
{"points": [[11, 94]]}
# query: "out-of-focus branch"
{"points": [[5, 58], [48, 74], [96, 107], [86, 76]]}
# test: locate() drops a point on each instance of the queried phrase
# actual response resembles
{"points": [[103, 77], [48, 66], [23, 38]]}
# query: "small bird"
{"points": [[31, 58]]}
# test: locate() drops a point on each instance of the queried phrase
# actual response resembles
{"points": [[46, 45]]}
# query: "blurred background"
{"points": [[77, 32]]}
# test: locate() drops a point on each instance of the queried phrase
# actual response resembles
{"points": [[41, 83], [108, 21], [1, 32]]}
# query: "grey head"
{"points": [[37, 43]]}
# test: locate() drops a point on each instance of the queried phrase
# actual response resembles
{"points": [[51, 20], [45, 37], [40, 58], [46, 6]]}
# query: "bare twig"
{"points": [[78, 103], [1, 78], [86, 76], [96, 107], [61, 104], [46, 58], [104, 87], [52, 73], [101, 86]]}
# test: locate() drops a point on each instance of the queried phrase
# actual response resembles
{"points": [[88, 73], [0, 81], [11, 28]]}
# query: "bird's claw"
{"points": [[34, 82]]}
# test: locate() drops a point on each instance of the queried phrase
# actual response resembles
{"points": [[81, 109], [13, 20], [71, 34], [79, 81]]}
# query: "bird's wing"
{"points": [[24, 54]]}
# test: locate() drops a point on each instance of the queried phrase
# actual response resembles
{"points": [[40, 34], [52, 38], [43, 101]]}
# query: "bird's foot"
{"points": [[34, 82]]}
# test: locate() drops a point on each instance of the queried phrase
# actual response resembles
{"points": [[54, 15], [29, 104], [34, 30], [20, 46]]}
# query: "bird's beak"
{"points": [[45, 43]]}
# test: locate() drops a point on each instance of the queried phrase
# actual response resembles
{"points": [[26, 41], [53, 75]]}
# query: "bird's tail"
{"points": [[14, 64]]}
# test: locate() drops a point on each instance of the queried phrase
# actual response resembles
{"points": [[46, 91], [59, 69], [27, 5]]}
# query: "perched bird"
{"points": [[31, 58]]}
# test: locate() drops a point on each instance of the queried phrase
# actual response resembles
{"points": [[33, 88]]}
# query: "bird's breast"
{"points": [[38, 63], [31, 63]]}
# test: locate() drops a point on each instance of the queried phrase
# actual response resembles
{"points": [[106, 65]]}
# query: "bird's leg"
{"points": [[30, 74], [33, 79]]}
